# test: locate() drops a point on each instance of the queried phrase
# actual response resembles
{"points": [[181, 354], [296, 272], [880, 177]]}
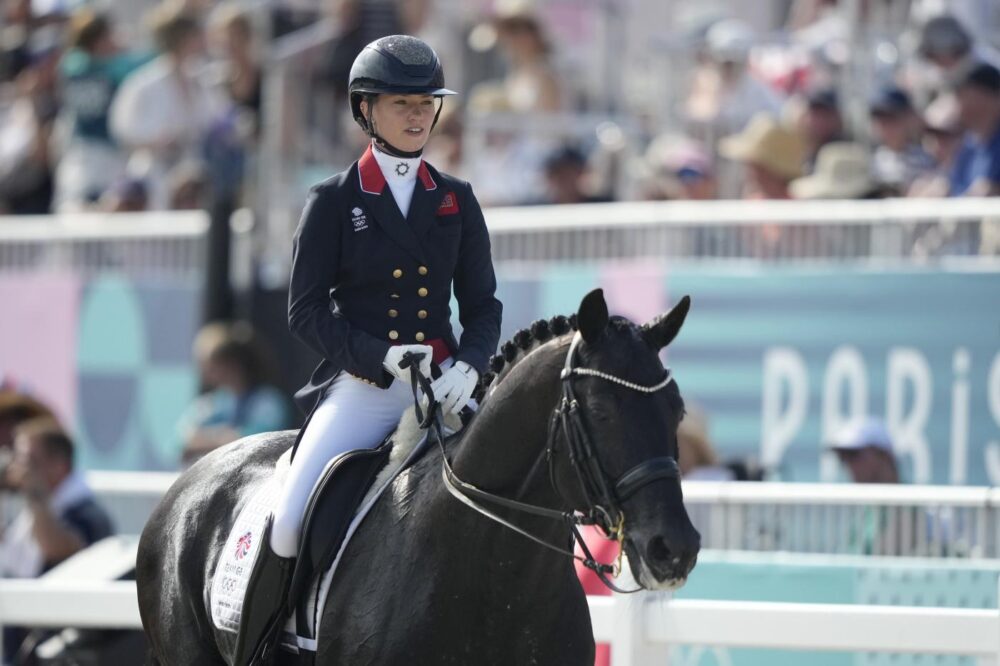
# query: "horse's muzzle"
{"points": [[664, 561]]}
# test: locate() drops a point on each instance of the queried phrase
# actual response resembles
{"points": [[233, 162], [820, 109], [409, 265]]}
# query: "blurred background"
{"points": [[819, 175]]}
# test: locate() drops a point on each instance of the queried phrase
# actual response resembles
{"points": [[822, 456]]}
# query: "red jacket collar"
{"points": [[373, 181]]}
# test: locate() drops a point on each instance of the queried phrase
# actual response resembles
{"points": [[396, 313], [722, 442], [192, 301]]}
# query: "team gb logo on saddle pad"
{"points": [[359, 219], [449, 205], [243, 545]]}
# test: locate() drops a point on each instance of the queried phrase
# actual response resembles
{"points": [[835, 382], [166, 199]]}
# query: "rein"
{"points": [[603, 497]]}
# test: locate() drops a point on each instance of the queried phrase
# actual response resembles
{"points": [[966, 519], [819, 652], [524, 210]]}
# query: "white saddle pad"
{"points": [[232, 571]]}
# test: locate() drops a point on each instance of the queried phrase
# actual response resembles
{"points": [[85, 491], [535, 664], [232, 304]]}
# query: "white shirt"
{"points": [[400, 174], [152, 108]]}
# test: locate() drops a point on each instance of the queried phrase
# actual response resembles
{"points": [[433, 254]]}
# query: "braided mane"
{"points": [[522, 342]]}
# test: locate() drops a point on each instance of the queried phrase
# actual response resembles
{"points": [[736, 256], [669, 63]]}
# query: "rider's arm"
{"points": [[315, 263], [475, 287]]}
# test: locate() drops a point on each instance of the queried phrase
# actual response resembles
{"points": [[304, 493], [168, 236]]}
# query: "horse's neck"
{"points": [[503, 443]]}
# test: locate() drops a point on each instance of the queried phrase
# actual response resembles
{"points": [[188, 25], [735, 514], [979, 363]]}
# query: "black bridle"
{"points": [[603, 497]]}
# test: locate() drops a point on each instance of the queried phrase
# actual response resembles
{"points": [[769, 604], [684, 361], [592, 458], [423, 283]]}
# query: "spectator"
{"points": [[128, 195], [950, 50], [772, 156], [361, 23], [865, 449], [899, 158], [532, 84], [91, 71], [60, 515], [843, 171], [724, 93], [977, 166], [232, 136], [447, 147], [26, 181], [234, 36], [821, 123], [678, 168], [188, 186], [15, 31], [696, 455], [942, 139], [565, 172], [510, 169], [163, 110], [241, 399], [15, 409]]}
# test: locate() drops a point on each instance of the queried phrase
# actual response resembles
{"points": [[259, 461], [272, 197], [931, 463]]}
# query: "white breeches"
{"points": [[351, 415]]}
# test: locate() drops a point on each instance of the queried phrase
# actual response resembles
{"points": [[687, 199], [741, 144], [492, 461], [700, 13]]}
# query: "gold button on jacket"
{"points": [[393, 313], [422, 270], [397, 273], [422, 291], [422, 314], [393, 335], [419, 336]]}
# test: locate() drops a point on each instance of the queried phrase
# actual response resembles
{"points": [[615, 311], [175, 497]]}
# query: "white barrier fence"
{"points": [[146, 243], [889, 520], [640, 629], [937, 521], [911, 230], [888, 229]]}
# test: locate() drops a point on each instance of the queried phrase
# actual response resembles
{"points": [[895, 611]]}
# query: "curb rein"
{"points": [[603, 499]]}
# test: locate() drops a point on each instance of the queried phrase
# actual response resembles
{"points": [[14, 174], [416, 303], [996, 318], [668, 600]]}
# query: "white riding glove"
{"points": [[454, 388], [395, 356]]}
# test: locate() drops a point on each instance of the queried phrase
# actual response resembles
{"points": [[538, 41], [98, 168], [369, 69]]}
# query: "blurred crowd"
{"points": [[170, 118], [90, 123]]}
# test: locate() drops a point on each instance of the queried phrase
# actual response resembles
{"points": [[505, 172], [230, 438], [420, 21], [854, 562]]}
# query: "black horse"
{"points": [[427, 580]]}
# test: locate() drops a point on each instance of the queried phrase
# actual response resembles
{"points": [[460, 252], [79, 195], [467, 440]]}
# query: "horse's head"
{"points": [[629, 411]]}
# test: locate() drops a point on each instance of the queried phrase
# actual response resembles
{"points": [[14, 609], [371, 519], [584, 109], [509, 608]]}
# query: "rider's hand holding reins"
{"points": [[393, 361], [454, 388]]}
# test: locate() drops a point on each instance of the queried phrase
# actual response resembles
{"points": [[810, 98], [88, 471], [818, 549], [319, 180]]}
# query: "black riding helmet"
{"points": [[397, 64]]}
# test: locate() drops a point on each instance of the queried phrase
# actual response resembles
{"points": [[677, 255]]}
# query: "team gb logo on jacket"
{"points": [[359, 219]]}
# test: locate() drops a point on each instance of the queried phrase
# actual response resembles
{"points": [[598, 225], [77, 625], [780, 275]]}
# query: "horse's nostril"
{"points": [[658, 550]]}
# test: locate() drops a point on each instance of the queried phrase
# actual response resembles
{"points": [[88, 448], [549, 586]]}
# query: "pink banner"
{"points": [[38, 332], [637, 290]]}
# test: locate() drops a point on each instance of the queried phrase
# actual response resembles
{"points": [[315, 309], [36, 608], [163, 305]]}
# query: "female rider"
{"points": [[377, 253]]}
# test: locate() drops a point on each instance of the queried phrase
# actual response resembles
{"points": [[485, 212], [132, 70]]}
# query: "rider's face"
{"points": [[403, 120]]}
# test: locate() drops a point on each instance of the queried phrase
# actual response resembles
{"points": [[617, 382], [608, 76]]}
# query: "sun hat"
{"points": [[861, 434], [768, 144], [843, 171]]}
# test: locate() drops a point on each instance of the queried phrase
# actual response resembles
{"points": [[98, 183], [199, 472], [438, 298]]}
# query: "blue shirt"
{"points": [[261, 410], [975, 161], [89, 86]]}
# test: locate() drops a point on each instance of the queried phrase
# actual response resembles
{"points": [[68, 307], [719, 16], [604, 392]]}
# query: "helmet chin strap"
{"points": [[387, 147]]}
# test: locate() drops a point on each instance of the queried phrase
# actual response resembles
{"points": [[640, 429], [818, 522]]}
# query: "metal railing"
{"points": [[934, 521], [85, 243], [888, 229]]}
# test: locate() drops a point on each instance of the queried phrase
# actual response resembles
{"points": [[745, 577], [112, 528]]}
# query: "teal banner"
{"points": [[780, 359]]}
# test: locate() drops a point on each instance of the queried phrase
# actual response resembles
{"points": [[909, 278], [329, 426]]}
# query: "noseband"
{"points": [[603, 496]]}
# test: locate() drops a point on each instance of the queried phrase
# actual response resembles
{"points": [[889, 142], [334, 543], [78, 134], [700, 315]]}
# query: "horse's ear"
{"points": [[592, 317], [663, 329]]}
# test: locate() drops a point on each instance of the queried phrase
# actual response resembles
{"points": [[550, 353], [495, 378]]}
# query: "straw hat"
{"points": [[24, 406], [766, 143], [843, 171]]}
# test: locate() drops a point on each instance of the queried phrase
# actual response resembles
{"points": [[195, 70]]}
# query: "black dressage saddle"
{"points": [[329, 513]]}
